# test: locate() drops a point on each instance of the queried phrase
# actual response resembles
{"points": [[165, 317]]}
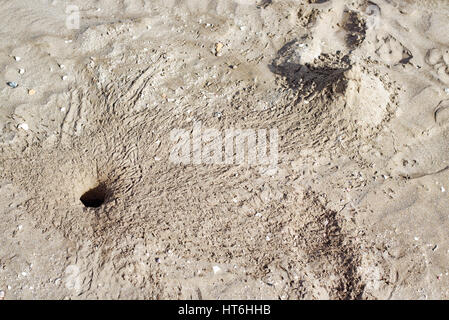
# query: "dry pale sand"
{"points": [[358, 91]]}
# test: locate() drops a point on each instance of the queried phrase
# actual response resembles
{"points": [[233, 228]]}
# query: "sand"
{"points": [[357, 206]]}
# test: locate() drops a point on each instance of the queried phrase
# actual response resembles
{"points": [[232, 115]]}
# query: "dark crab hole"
{"points": [[95, 197]]}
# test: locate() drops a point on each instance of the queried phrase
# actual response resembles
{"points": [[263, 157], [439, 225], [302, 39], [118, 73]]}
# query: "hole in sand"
{"points": [[95, 197]]}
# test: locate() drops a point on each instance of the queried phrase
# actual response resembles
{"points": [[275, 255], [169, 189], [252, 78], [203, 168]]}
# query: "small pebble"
{"points": [[64, 78], [12, 84], [21, 71], [31, 92], [17, 58], [23, 126], [433, 56], [446, 90], [442, 189], [2, 295], [216, 269], [218, 47]]}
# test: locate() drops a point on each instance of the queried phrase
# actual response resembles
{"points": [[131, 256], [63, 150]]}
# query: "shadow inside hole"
{"points": [[95, 197]]}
